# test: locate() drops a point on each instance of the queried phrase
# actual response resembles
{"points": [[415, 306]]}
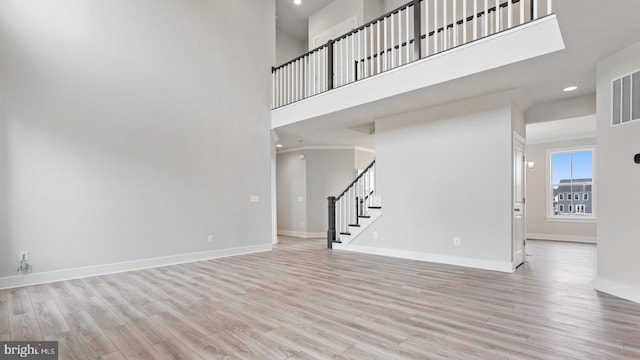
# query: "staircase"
{"points": [[357, 207]]}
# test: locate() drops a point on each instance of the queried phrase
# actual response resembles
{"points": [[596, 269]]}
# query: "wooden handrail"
{"points": [[356, 180]]}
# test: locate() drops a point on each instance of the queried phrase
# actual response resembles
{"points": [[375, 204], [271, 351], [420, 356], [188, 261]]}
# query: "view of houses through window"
{"points": [[572, 183]]}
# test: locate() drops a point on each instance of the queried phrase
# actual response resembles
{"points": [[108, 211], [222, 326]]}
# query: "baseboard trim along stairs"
{"points": [[355, 230]]}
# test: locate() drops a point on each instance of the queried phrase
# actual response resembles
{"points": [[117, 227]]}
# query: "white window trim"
{"points": [[571, 218], [560, 196], [561, 208]]}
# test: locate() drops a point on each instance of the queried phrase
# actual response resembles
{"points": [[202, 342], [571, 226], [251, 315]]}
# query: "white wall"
{"points": [[373, 9], [5, 257], [328, 173], [445, 172], [618, 195], [333, 14], [390, 5], [292, 191], [322, 173], [288, 47], [363, 159], [129, 134], [538, 227]]}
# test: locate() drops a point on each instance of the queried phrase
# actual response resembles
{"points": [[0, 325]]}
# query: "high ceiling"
{"points": [[592, 30]]}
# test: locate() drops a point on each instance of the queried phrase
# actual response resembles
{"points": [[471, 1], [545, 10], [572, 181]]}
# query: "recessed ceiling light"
{"points": [[279, 145], [570, 88], [297, 2]]}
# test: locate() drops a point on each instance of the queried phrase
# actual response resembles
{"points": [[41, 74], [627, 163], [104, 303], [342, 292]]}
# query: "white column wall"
{"points": [[133, 130]]}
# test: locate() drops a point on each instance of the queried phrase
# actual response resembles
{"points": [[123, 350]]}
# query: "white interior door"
{"points": [[333, 33], [518, 202]]}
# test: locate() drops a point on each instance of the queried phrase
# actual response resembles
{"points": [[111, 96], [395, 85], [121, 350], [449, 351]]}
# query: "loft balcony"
{"points": [[416, 47]]}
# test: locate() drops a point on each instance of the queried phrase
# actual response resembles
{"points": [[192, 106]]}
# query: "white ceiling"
{"points": [[567, 129], [592, 30]]}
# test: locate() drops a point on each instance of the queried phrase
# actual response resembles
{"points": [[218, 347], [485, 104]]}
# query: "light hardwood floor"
{"points": [[302, 301]]}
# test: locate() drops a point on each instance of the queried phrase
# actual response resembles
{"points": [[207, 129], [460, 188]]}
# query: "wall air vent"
{"points": [[626, 99]]}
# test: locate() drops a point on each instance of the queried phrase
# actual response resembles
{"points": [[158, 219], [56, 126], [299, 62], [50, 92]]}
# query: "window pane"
{"points": [[582, 166], [572, 177], [561, 167]]}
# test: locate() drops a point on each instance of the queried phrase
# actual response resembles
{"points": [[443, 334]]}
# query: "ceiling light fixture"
{"points": [[570, 88], [297, 2]]}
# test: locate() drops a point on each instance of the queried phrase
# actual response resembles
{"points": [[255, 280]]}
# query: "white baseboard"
{"points": [[302, 234], [627, 292], [567, 238], [77, 273], [433, 258]]}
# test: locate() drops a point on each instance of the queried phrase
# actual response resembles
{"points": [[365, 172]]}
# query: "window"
{"points": [[625, 99], [571, 184]]}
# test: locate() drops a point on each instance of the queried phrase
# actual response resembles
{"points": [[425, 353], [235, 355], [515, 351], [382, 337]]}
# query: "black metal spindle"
{"points": [[417, 31]]}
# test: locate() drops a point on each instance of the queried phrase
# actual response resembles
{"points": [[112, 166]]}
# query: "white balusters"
{"points": [[385, 43], [393, 39], [435, 26], [378, 52], [386, 58], [408, 32], [455, 24]]}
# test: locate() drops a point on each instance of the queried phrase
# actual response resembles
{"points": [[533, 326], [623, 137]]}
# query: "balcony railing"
{"points": [[389, 42]]}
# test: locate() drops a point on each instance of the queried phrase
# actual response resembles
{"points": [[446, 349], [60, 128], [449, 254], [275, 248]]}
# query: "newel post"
{"points": [[331, 233]]}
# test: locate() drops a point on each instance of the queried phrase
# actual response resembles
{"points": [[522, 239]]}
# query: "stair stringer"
{"points": [[364, 223]]}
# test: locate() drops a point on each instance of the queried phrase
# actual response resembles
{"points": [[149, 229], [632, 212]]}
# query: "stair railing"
{"points": [[346, 209]]}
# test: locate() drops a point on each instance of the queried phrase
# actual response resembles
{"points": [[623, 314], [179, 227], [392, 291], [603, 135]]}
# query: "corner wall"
{"points": [[130, 137], [445, 172], [618, 195]]}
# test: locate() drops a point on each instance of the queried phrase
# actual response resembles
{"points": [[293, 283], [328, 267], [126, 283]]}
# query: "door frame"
{"points": [[518, 140]]}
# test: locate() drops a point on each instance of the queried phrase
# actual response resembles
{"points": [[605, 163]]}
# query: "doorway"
{"points": [[518, 226]]}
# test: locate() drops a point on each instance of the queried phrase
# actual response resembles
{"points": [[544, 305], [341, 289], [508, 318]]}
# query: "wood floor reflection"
{"points": [[302, 301]]}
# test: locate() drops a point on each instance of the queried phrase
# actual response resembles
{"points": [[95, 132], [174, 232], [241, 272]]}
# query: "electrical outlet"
{"points": [[456, 241], [211, 238], [23, 255]]}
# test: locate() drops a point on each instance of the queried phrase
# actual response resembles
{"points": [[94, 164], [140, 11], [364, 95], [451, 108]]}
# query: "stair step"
{"points": [[354, 225], [364, 216], [375, 207], [345, 233]]}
